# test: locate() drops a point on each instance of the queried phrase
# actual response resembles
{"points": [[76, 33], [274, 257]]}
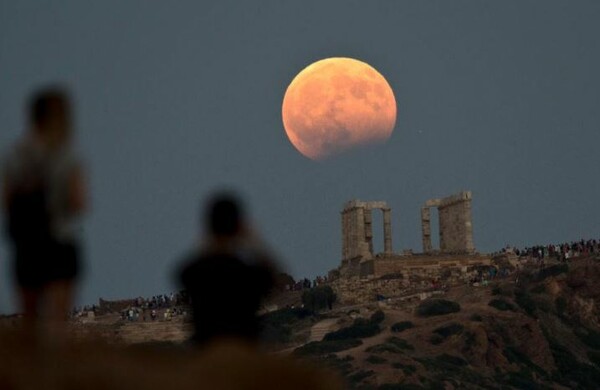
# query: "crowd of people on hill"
{"points": [[149, 308], [561, 252], [161, 301], [82, 310], [162, 306], [484, 275], [133, 314], [305, 284], [167, 306]]}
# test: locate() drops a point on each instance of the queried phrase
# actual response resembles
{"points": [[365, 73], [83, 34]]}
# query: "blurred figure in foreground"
{"points": [[43, 197], [228, 277]]}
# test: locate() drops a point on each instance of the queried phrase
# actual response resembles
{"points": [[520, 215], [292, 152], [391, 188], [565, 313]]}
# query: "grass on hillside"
{"points": [[442, 333], [502, 305], [326, 347], [391, 345], [401, 326], [437, 307], [360, 328]]}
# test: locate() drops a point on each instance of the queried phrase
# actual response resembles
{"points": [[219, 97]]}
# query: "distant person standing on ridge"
{"points": [[227, 279], [43, 197]]}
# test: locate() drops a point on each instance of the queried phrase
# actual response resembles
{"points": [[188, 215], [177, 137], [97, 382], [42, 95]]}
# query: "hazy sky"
{"points": [[176, 100]]}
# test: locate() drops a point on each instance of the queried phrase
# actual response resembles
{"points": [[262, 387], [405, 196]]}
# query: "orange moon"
{"points": [[335, 105]]}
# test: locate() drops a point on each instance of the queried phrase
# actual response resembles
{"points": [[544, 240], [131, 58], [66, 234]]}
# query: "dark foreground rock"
{"points": [[93, 365]]}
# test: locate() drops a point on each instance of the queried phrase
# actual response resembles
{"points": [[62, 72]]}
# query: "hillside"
{"points": [[539, 330]]}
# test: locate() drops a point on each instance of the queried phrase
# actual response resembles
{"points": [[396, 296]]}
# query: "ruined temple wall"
{"points": [[421, 264], [356, 290], [351, 268], [456, 230], [393, 277], [357, 229]]}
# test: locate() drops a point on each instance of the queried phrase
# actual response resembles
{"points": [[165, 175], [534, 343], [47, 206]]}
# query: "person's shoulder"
{"points": [[188, 257], [193, 265]]}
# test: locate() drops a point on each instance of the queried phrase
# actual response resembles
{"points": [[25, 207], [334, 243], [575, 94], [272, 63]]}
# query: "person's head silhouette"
{"points": [[50, 116], [224, 216]]}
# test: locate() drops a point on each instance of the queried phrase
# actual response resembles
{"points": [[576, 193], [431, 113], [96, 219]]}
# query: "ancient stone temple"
{"points": [[456, 228], [357, 229], [365, 274]]}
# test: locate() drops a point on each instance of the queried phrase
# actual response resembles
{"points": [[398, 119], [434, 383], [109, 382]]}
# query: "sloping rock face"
{"points": [[581, 285], [540, 331]]}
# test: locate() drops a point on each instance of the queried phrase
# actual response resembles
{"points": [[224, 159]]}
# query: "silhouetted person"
{"points": [[228, 278], [43, 197]]}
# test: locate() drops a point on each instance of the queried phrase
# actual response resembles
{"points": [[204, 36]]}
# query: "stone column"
{"points": [[369, 229], [344, 218], [447, 229], [426, 229], [387, 231], [361, 247], [356, 232], [351, 232], [469, 244]]}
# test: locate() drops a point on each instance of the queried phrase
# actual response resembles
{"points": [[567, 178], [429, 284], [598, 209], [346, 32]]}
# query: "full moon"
{"points": [[335, 105]]}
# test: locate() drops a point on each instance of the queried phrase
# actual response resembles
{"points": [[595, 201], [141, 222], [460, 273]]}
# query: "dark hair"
{"points": [[224, 215], [45, 101]]}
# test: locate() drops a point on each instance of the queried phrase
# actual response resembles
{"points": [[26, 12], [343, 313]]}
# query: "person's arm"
{"points": [[77, 191]]}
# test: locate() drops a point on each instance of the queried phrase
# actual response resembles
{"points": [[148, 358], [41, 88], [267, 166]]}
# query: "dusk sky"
{"points": [[177, 99]]}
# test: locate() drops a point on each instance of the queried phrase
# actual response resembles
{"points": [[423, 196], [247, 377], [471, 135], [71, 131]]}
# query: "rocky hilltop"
{"points": [[536, 329]]}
